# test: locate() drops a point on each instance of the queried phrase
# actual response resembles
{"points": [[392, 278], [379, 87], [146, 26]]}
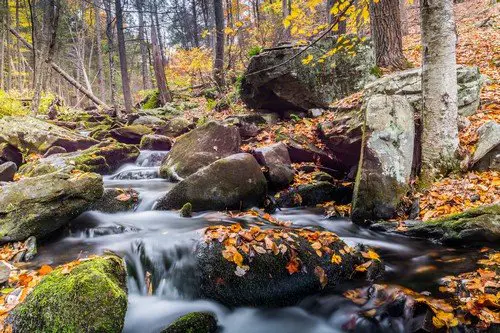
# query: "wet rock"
{"points": [[9, 153], [4, 272], [408, 84], [278, 270], [487, 153], [186, 210], [29, 252], [279, 176], [199, 148], [131, 134], [54, 150], [7, 171], [137, 174], [473, 227], [385, 168], [40, 205], [155, 142], [313, 194], [92, 297], [220, 185], [103, 158], [194, 322], [36, 136], [116, 200], [175, 127], [297, 86], [151, 158], [321, 176]]}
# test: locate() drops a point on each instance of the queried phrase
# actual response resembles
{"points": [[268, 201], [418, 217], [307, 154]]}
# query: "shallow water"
{"points": [[161, 243]]}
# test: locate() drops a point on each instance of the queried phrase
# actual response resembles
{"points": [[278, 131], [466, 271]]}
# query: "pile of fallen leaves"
{"points": [[22, 281], [474, 300], [457, 194]]}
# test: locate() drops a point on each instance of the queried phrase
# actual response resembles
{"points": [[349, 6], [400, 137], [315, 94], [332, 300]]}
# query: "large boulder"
{"points": [[386, 159], [272, 267], [103, 158], [310, 195], [487, 153], [476, 226], [199, 148], [298, 86], [175, 127], [131, 134], [233, 182], [37, 136], [155, 142], [9, 153], [409, 84], [7, 171], [92, 297], [40, 205]]}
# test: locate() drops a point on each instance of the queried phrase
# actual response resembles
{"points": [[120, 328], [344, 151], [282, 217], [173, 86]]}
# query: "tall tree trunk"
{"points": [[219, 44], [100, 64], [2, 57], [404, 16], [163, 93], [286, 7], [146, 82], [160, 39], [21, 67], [8, 79], [111, 52], [48, 43], [127, 96], [195, 23], [385, 24], [439, 89], [342, 25]]}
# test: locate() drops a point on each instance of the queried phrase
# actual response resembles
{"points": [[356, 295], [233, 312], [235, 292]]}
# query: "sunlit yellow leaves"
{"points": [[442, 319], [336, 259], [308, 59], [371, 255]]}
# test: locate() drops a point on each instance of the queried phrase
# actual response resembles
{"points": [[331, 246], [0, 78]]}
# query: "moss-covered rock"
{"points": [[32, 135], [186, 210], [116, 200], [313, 194], [175, 127], [131, 134], [472, 227], [194, 322], [198, 148], [232, 182], [90, 298], [103, 158], [155, 142], [40, 205]]}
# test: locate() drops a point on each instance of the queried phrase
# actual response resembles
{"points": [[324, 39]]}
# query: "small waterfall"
{"points": [[150, 158]]}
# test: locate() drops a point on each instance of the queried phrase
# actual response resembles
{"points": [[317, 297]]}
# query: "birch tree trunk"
{"points": [[127, 96], [385, 24], [146, 82], [161, 81], [439, 89], [219, 44]]}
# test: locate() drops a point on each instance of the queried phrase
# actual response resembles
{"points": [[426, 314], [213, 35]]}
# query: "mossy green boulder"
{"points": [[131, 134], [198, 148], [475, 226], [103, 158], [40, 205], [194, 322], [33, 135], [92, 297]]}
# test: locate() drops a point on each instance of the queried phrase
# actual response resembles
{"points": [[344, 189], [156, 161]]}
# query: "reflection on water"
{"points": [[158, 246]]}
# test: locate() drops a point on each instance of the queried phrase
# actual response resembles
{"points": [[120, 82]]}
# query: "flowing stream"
{"points": [[161, 243]]}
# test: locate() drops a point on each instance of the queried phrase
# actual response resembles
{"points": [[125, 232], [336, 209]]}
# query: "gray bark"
{"points": [[439, 89], [127, 96], [219, 44], [100, 65], [111, 52]]}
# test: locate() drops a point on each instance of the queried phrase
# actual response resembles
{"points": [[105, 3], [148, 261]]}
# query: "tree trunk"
{"points": [[219, 44], [127, 96], [2, 57], [20, 66], [195, 24], [146, 82], [100, 65], [286, 6], [386, 31], [164, 95], [43, 59], [342, 25], [8, 79], [404, 16], [111, 52], [439, 89]]}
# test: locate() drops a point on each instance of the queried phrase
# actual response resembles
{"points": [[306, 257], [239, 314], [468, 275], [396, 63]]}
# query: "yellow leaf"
{"points": [[336, 259], [238, 259]]}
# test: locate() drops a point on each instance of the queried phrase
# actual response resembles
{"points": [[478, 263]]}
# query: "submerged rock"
{"points": [[92, 297], [475, 226], [233, 182], [487, 153], [386, 159], [275, 267], [40, 205], [194, 322], [103, 158], [296, 85], [37, 136], [199, 148]]}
